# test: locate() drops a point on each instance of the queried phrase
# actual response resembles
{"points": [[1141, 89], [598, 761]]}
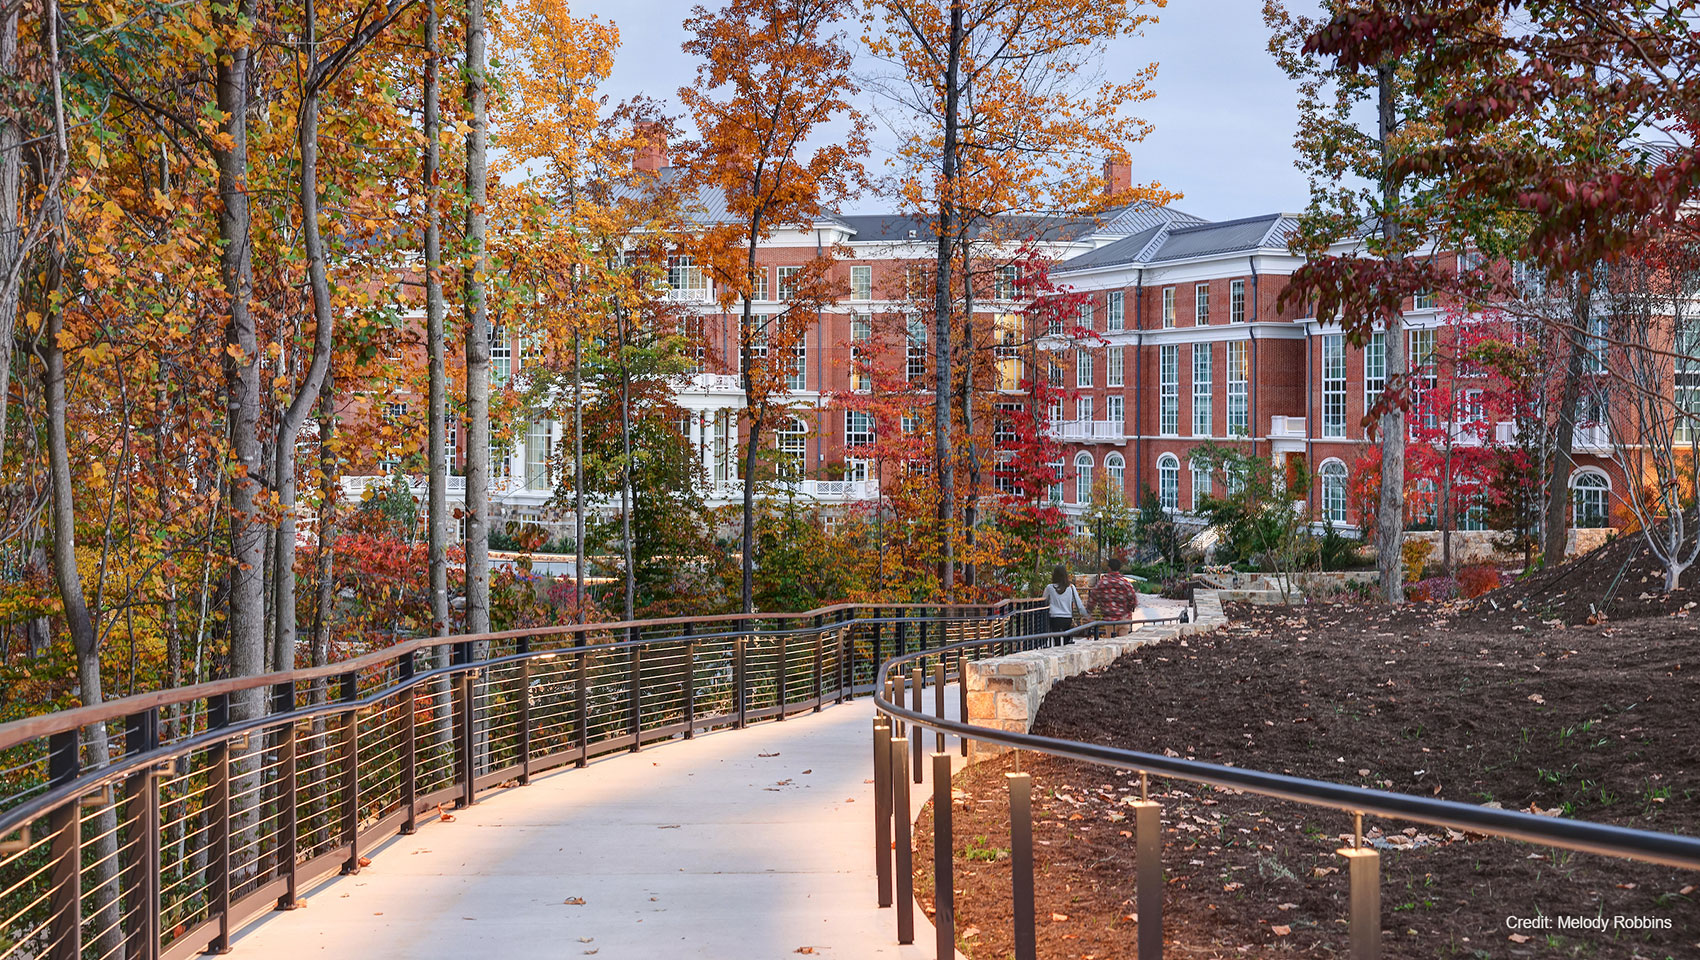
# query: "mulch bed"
{"points": [[1474, 705], [1618, 579]]}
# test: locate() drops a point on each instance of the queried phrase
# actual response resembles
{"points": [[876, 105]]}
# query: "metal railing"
{"points": [[157, 825], [894, 743]]}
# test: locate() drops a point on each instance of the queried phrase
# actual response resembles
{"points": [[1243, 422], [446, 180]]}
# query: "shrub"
{"points": [[1432, 590], [1477, 579], [1414, 554]]}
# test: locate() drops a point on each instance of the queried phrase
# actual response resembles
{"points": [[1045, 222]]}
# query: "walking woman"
{"points": [[1063, 600]]}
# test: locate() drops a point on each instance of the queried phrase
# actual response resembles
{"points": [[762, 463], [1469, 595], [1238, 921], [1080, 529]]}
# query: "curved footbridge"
{"points": [[745, 843]]}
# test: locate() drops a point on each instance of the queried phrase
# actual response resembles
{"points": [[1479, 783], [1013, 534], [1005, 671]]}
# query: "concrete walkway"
{"points": [[738, 845]]}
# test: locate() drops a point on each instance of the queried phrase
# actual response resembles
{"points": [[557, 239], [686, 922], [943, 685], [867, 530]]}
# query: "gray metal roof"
{"points": [[1139, 217], [1167, 243]]}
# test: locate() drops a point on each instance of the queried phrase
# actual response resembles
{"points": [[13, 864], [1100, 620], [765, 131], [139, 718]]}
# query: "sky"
{"points": [[1223, 112]]}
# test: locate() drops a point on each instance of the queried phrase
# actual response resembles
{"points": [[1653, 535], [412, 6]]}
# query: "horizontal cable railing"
{"points": [[898, 756], [157, 825]]}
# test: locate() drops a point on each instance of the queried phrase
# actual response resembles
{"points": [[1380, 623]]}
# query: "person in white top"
{"points": [[1063, 600]]}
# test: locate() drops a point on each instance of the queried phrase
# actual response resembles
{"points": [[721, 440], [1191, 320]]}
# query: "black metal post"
{"points": [[1021, 863], [944, 882], [688, 686], [962, 694], [782, 646], [464, 709], [882, 808], [820, 663], [288, 828], [938, 697], [917, 686], [635, 684], [739, 702], [905, 894], [351, 773], [218, 803], [1148, 876], [409, 747], [582, 704], [66, 821], [141, 867], [523, 645]]}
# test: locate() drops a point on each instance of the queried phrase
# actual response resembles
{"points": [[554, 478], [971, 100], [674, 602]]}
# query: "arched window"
{"points": [[1333, 475], [1083, 478], [1115, 472], [1169, 481], [1589, 494], [1202, 486]]}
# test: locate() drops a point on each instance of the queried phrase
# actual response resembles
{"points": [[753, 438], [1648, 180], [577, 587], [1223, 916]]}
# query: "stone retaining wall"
{"points": [[1005, 692]]}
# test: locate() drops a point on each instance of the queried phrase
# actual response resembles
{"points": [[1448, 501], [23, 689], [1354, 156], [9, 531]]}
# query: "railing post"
{"points": [[218, 802], [846, 662], [1021, 863], [902, 635], [740, 702], [782, 652], [879, 644], [283, 701], [409, 747], [581, 697], [141, 791], [351, 773], [635, 685], [1364, 868], [882, 807], [938, 698], [944, 882], [1148, 873], [917, 686], [64, 765], [820, 664], [962, 694], [688, 685], [905, 894], [464, 709], [523, 645]]}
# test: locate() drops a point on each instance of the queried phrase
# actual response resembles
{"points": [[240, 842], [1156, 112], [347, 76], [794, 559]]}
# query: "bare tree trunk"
{"points": [[971, 508], [943, 457], [437, 496], [578, 477], [11, 249], [1390, 511], [1556, 529], [477, 328], [626, 490]]}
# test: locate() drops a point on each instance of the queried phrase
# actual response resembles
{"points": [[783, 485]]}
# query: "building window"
{"points": [[788, 282], [1687, 386], [1115, 471], [1201, 305], [1115, 311], [1423, 300], [1169, 481], [1010, 366], [1425, 377], [916, 352], [858, 429], [1202, 390], [501, 355], [395, 412], [1588, 497], [1239, 384], [797, 377], [861, 332], [1115, 409], [1201, 486], [1056, 491], [1083, 478], [1236, 301], [1083, 368], [1333, 475], [1004, 282], [1168, 307], [1087, 320], [539, 444], [1424, 505], [861, 283], [760, 290], [686, 280], [1083, 409], [1333, 385], [792, 440], [1595, 360], [1003, 428], [1375, 370], [1113, 373], [1169, 378]]}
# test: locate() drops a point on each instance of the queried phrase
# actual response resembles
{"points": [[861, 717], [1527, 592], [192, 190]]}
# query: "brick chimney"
{"points": [[1118, 176], [652, 149]]}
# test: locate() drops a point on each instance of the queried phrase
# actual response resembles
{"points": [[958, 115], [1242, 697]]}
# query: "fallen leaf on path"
{"points": [[574, 901], [1280, 929], [773, 754], [365, 861], [1058, 917], [804, 950], [1518, 938]]}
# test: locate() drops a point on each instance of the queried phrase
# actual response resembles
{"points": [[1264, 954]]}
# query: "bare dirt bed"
{"points": [[1478, 706]]}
